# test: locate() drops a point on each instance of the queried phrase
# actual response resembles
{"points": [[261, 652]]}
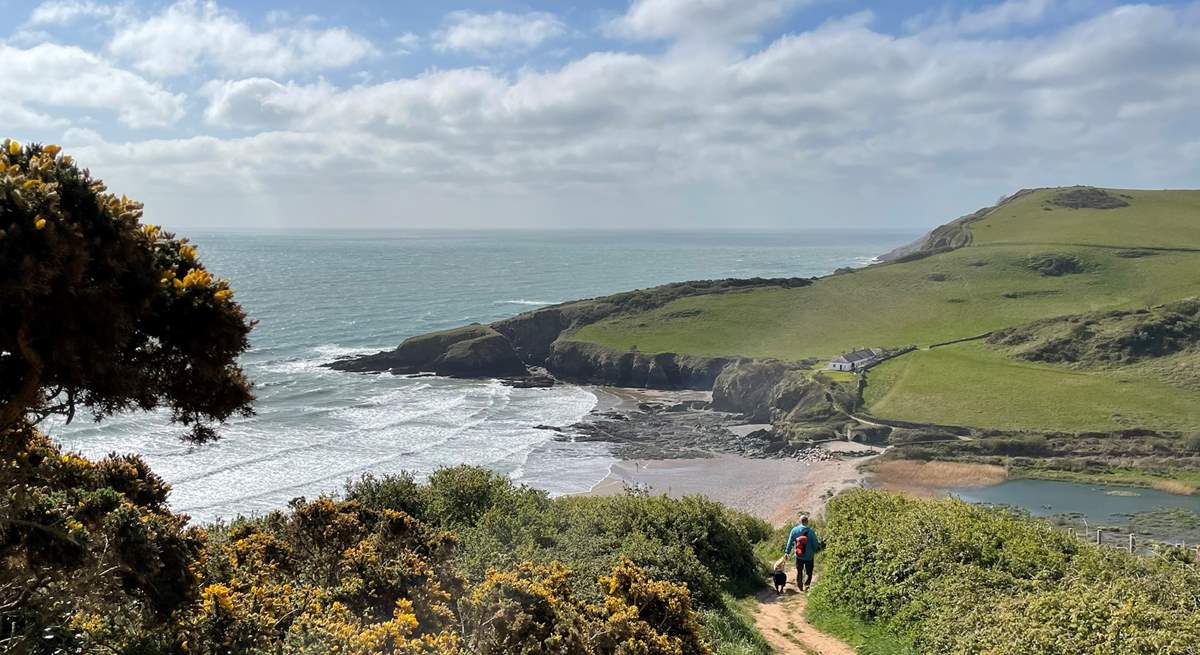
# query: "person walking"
{"points": [[803, 542]]}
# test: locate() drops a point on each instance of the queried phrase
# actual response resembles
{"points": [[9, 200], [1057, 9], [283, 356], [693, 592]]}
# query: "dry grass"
{"points": [[908, 475], [1180, 487]]}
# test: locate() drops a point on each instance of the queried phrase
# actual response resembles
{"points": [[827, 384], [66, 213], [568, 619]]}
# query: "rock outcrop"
{"points": [[471, 351], [580, 361], [746, 388], [510, 347], [1086, 197], [953, 235]]}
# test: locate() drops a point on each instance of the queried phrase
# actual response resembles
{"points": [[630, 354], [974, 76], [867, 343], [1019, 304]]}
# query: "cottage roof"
{"points": [[858, 356]]}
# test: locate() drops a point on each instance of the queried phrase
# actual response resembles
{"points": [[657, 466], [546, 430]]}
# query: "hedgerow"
{"points": [[951, 577]]}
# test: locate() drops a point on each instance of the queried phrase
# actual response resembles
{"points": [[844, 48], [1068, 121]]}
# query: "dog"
{"points": [[779, 578]]}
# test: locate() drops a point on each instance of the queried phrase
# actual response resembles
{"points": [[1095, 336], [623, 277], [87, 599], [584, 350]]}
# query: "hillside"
{"points": [[1039, 254], [1143, 254], [1096, 371]]}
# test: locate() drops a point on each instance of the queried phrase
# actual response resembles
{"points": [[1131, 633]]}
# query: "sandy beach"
{"points": [[777, 490]]}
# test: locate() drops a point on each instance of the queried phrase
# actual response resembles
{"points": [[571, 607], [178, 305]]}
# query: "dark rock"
{"points": [[688, 406], [1088, 198], [745, 388], [471, 351], [585, 362], [1055, 265], [951, 236], [538, 378]]}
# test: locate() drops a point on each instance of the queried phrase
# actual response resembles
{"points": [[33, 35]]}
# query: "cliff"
{"points": [[951, 236], [507, 348], [471, 351]]}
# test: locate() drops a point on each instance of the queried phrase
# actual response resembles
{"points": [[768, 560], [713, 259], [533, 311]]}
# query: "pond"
{"points": [[1165, 516]]}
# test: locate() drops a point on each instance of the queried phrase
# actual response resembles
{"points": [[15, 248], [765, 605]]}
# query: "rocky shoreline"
{"points": [[689, 428]]}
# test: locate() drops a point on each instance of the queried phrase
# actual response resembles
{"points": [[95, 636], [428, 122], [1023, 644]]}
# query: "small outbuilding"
{"points": [[857, 360]]}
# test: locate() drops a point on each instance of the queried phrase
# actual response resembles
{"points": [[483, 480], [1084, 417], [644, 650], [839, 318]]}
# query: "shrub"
{"points": [[100, 311], [951, 577]]}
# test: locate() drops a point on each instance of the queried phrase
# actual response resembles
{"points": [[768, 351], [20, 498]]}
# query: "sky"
{"points": [[662, 114]]}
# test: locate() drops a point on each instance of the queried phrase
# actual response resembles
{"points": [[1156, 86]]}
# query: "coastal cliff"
{"points": [[509, 348]]}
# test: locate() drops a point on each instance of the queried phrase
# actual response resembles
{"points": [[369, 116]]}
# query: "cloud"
{"points": [[1006, 14], [843, 121], [1001, 17], [499, 31], [66, 77], [257, 103], [191, 34], [723, 19], [407, 43], [62, 12]]}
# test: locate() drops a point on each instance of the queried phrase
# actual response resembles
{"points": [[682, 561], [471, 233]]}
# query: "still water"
{"points": [[1099, 504]]}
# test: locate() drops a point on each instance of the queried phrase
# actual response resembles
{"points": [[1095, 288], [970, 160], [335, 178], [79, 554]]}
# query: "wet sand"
{"points": [[777, 490]]}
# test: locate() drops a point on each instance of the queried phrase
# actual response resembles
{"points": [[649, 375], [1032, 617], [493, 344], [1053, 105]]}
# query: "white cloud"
{"points": [[260, 103], [1005, 15], [407, 43], [705, 19], [499, 31], [62, 12], [843, 120], [1000, 17], [190, 34], [66, 77]]}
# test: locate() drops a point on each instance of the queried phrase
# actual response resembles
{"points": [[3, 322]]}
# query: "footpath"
{"points": [[781, 620]]}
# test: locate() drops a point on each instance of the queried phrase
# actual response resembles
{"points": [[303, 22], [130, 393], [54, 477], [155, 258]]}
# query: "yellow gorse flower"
{"points": [[223, 294], [216, 596], [51, 149], [40, 223], [188, 253], [197, 277], [14, 148]]}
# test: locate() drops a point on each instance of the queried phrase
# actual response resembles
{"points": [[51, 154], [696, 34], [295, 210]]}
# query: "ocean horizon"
{"points": [[323, 294]]}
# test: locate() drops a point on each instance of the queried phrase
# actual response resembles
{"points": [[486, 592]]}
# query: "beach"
{"points": [[776, 490]]}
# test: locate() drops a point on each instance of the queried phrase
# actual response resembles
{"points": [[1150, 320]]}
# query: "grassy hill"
{"points": [[1035, 256]]}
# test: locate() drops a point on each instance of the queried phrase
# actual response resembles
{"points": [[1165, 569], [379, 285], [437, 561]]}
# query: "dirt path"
{"points": [[781, 620]]}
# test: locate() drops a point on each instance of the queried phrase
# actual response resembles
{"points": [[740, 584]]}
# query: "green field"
{"points": [[972, 384], [957, 294], [1132, 257]]}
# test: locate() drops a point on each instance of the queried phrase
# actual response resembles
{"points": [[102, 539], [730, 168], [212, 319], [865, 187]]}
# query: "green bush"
{"points": [[950, 577]]}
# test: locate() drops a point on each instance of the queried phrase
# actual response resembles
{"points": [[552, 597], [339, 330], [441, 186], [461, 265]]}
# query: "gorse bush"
{"points": [[358, 575], [103, 313], [691, 540], [89, 548], [951, 577], [100, 311]]}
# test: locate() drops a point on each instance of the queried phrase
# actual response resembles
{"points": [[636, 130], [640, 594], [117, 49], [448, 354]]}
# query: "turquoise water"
{"points": [[320, 295]]}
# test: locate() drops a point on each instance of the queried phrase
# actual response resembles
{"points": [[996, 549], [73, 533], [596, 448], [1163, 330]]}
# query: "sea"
{"points": [[321, 295]]}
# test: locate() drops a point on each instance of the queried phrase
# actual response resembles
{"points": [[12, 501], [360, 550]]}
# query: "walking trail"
{"points": [[781, 620]]}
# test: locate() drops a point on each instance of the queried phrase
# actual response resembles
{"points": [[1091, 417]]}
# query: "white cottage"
{"points": [[856, 361]]}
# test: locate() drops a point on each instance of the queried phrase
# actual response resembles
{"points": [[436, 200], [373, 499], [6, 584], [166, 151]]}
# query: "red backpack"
{"points": [[801, 545]]}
